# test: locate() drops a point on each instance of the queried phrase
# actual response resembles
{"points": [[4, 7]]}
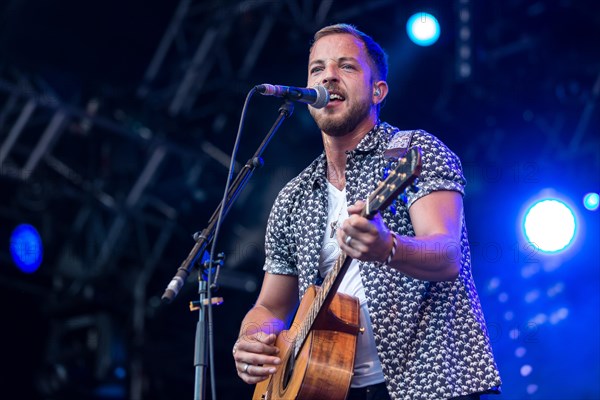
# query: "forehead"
{"points": [[336, 46]]}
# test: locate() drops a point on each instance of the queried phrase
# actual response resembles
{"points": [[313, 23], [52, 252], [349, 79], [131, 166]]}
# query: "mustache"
{"points": [[334, 87]]}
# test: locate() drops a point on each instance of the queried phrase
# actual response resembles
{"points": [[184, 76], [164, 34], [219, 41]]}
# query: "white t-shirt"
{"points": [[367, 368]]}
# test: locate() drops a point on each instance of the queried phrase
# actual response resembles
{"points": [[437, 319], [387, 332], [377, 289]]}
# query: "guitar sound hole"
{"points": [[289, 370]]}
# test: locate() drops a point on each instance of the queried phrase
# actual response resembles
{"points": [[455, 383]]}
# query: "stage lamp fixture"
{"points": [[26, 248], [423, 29], [550, 225]]}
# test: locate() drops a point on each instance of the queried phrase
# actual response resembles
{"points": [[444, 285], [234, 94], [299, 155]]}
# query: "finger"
{"points": [[267, 339], [360, 238], [357, 225], [246, 357], [352, 253], [356, 208], [356, 249], [252, 379], [257, 359], [352, 247], [257, 370], [260, 337], [257, 347], [252, 351], [254, 373]]}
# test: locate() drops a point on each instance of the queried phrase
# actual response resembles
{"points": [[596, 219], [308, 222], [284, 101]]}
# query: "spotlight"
{"points": [[549, 224], [26, 248], [423, 29], [590, 201]]}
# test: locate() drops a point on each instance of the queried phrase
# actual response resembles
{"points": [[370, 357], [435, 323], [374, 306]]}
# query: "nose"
{"points": [[330, 75]]}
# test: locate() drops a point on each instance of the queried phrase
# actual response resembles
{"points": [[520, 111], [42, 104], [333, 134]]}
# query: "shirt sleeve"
{"points": [[280, 248], [441, 169]]}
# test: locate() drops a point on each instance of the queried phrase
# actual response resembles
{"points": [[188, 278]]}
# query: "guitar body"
{"points": [[324, 366]]}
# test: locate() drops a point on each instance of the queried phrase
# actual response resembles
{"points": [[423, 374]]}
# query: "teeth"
{"points": [[334, 96]]}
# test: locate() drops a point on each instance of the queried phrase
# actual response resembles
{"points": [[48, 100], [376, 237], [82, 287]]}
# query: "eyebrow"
{"points": [[341, 59]]}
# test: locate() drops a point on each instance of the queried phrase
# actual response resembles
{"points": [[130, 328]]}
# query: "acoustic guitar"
{"points": [[317, 352]]}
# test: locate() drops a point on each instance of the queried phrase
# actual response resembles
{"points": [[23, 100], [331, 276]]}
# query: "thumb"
{"points": [[356, 208], [268, 339]]}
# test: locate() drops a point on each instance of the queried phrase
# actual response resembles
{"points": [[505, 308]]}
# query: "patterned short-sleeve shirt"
{"points": [[431, 336]]}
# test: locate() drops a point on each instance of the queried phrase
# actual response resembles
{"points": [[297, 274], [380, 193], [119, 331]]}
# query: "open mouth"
{"points": [[336, 97]]}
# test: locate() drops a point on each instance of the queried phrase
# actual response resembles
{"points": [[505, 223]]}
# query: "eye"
{"points": [[348, 66], [316, 69]]}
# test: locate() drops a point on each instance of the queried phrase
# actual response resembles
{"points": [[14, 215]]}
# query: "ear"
{"points": [[380, 91]]}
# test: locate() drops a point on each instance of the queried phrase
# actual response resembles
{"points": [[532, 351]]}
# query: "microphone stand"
{"points": [[203, 239]]}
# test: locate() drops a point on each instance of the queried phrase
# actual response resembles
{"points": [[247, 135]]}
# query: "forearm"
{"points": [[260, 319], [433, 258]]}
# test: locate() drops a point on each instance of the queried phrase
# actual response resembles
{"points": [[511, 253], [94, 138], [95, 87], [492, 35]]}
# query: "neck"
{"points": [[336, 148]]}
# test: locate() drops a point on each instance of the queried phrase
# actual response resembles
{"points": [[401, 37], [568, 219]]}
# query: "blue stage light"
{"points": [[591, 200], [423, 29], [549, 225], [120, 372], [26, 248]]}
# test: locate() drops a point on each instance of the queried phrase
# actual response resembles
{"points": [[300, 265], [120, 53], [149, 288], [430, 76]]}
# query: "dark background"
{"points": [[136, 156]]}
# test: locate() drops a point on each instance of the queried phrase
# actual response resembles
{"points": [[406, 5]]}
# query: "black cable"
{"points": [[214, 242]]}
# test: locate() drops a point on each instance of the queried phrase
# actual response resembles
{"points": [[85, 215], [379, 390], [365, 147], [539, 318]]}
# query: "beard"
{"points": [[342, 124]]}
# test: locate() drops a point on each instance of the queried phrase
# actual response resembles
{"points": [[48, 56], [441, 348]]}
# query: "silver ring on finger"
{"points": [[348, 240], [245, 369]]}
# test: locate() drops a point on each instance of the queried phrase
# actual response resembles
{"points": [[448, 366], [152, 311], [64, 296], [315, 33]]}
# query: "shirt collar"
{"points": [[372, 140], [318, 176]]}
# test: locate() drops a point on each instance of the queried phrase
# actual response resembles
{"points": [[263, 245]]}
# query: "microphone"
{"points": [[317, 97]]}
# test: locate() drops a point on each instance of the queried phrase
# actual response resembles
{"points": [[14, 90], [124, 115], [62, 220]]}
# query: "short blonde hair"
{"points": [[377, 56]]}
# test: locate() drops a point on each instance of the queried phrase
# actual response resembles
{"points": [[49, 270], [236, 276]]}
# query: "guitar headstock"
{"points": [[400, 178]]}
